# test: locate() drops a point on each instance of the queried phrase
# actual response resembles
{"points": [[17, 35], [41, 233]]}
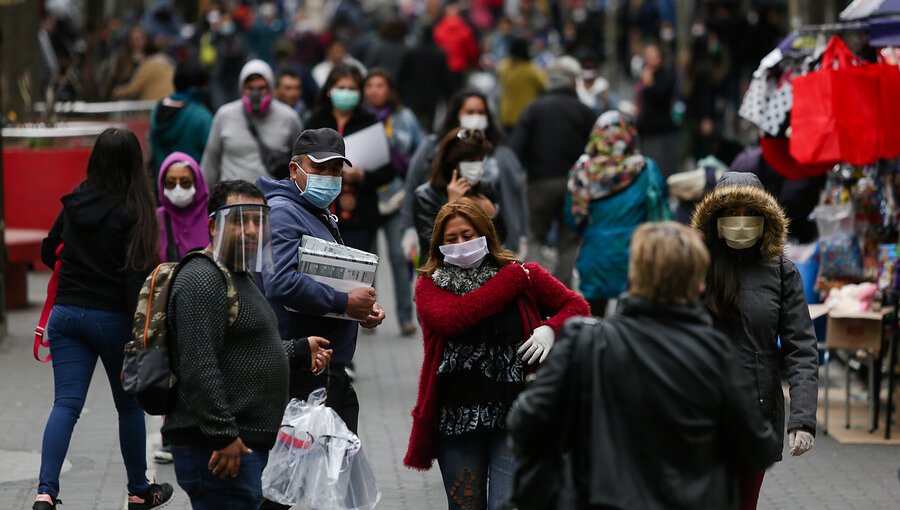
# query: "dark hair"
{"points": [[722, 284], [454, 149], [393, 29], [451, 118], [116, 167], [518, 49], [224, 189], [286, 72], [190, 74], [379, 72], [323, 102]]}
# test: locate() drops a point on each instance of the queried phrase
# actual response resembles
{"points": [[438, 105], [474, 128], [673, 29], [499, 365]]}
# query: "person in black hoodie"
{"points": [[339, 107], [109, 234]]}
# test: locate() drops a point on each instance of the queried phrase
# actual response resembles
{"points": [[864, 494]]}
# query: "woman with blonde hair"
{"points": [[651, 401], [484, 317]]}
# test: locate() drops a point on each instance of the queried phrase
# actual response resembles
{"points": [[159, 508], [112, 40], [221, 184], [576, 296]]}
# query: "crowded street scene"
{"points": [[449, 254]]}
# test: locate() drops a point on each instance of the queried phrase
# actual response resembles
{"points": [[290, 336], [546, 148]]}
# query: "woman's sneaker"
{"points": [[45, 502], [157, 496]]}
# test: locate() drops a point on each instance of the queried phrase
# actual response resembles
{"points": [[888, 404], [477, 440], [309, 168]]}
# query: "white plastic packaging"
{"points": [[317, 462]]}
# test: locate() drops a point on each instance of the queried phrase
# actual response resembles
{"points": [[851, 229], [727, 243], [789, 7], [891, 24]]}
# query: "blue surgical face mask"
{"points": [[344, 99], [321, 190]]}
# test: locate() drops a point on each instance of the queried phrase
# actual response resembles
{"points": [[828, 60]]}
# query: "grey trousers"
{"points": [[546, 200]]}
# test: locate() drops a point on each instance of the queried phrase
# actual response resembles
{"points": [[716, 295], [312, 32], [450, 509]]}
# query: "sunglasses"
{"points": [[465, 133], [184, 182]]}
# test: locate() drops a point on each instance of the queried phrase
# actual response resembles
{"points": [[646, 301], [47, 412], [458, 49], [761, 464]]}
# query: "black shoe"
{"points": [[157, 496], [43, 505]]}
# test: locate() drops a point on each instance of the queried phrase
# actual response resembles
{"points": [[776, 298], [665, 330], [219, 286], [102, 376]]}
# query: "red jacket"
{"points": [[443, 313], [456, 38]]}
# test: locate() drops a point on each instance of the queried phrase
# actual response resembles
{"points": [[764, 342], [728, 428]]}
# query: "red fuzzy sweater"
{"points": [[443, 314]]}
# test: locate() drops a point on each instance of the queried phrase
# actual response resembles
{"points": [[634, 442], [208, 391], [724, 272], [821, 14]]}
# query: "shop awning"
{"points": [[861, 9]]}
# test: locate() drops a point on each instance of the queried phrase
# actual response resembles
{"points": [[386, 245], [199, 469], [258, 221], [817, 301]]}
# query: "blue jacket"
{"points": [[606, 234], [291, 217]]}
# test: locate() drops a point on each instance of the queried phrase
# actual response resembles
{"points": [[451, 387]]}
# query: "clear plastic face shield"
{"points": [[242, 238]]}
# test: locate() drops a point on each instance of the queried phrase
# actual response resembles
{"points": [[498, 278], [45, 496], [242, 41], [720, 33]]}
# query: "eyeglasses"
{"points": [[465, 133], [184, 182]]}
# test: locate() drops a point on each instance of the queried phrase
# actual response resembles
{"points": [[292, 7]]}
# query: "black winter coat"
{"points": [[772, 306], [668, 422], [551, 134]]}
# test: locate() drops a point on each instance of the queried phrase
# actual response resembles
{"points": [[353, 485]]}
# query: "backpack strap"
{"points": [[171, 245], [231, 295], [39, 340]]}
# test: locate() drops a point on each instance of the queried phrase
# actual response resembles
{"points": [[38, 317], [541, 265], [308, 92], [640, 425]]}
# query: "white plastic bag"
{"points": [[317, 462]]}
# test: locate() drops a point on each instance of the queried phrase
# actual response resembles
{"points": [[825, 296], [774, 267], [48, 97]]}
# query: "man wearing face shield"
{"points": [[246, 129], [300, 208], [230, 361]]}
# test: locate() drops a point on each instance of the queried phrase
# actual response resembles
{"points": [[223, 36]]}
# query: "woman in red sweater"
{"points": [[485, 318]]}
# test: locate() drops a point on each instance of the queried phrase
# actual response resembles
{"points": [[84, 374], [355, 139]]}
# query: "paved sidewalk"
{"points": [[831, 476]]}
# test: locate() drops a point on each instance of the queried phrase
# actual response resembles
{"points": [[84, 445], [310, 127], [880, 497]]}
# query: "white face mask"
{"points": [[179, 196], [740, 232], [473, 121], [465, 255], [471, 171]]}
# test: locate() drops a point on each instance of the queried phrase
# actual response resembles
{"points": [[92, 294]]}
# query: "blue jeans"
{"points": [[78, 336], [209, 492], [393, 233], [477, 469]]}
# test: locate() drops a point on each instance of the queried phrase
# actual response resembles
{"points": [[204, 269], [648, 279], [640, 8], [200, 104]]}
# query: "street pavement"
{"points": [[831, 476]]}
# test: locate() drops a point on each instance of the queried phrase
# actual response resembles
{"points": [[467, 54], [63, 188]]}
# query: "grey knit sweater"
{"points": [[232, 380]]}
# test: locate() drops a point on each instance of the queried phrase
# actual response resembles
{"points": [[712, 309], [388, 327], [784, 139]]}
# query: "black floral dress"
{"points": [[480, 372]]}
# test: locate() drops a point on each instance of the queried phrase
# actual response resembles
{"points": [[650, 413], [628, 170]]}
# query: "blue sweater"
{"points": [[291, 217]]}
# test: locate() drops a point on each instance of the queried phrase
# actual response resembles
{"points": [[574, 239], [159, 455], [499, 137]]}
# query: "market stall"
{"points": [[827, 104]]}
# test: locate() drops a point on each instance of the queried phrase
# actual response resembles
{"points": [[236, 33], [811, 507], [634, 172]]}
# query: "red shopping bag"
{"points": [[835, 114], [776, 154], [889, 108]]}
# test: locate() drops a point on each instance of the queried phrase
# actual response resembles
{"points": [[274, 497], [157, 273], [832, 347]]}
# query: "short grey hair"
{"points": [[563, 73]]}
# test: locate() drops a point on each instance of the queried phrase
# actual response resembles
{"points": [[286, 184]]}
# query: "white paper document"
{"points": [[340, 267], [368, 148]]}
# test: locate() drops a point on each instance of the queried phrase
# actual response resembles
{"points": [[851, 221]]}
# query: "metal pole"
{"points": [[4, 256], [611, 46]]}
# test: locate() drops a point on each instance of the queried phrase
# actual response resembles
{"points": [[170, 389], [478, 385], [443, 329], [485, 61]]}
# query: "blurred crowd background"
{"points": [[701, 52]]}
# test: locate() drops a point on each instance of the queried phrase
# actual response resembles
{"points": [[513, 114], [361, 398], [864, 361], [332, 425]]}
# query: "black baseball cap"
{"points": [[321, 145]]}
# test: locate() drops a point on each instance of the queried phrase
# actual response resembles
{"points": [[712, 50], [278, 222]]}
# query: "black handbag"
{"points": [[546, 482], [277, 163]]}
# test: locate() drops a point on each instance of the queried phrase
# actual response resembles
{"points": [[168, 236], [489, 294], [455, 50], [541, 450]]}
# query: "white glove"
{"points": [[800, 442], [537, 348], [410, 243], [523, 248]]}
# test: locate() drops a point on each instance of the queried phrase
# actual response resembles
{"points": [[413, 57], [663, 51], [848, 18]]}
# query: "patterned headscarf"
{"points": [[610, 163]]}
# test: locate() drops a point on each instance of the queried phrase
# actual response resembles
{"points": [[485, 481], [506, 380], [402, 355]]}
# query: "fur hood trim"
{"points": [[730, 196]]}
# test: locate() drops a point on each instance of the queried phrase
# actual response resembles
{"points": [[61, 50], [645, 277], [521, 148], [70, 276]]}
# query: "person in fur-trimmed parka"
{"points": [[755, 296]]}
